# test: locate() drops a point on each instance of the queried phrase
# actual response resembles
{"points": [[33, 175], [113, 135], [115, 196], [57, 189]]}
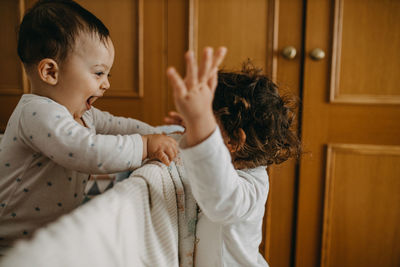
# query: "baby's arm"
{"points": [[106, 123], [48, 128], [155, 144]]}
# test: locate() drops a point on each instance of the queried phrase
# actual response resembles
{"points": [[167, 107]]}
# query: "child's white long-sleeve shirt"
{"points": [[232, 204], [46, 156]]}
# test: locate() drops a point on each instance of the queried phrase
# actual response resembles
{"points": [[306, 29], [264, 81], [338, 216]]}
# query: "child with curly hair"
{"points": [[234, 130]]}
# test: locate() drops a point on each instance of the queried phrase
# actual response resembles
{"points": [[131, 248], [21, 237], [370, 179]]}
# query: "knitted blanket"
{"points": [[147, 220], [187, 214]]}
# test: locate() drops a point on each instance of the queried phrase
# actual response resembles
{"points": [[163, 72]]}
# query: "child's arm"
{"points": [[155, 145], [106, 123], [222, 194], [49, 129]]}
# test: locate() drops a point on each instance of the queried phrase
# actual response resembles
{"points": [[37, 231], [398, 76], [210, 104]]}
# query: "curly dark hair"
{"points": [[50, 27], [250, 101]]}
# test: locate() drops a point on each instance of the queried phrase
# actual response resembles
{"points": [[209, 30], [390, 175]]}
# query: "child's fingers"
{"points": [[213, 81], [167, 155], [169, 120], [191, 70], [174, 118], [177, 83], [163, 158], [219, 57], [213, 73], [206, 64], [176, 115], [171, 153]]}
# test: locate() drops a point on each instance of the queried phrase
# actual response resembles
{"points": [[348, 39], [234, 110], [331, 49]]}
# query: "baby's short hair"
{"points": [[49, 30], [250, 101]]}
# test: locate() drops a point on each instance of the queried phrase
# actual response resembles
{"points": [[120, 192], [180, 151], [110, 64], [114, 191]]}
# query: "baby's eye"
{"points": [[100, 73], [109, 75]]}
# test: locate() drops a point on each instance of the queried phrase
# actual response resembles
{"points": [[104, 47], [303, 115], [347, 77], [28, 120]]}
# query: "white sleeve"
{"points": [[221, 193], [51, 130], [105, 123]]}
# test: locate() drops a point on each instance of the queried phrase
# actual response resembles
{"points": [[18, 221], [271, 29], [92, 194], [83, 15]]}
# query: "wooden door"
{"points": [[349, 185]]}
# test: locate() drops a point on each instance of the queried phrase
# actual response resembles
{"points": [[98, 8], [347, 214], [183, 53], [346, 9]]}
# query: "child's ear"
{"points": [[236, 145], [48, 71]]}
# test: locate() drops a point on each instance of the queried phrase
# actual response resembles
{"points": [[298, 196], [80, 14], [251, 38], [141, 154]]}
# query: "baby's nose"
{"points": [[105, 85]]}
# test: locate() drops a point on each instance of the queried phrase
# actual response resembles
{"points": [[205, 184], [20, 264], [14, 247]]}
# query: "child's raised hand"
{"points": [[159, 146], [193, 95]]}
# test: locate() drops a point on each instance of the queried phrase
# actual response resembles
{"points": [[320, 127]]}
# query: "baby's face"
{"points": [[83, 76]]}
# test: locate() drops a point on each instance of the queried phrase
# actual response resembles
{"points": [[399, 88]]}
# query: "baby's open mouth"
{"points": [[90, 101]]}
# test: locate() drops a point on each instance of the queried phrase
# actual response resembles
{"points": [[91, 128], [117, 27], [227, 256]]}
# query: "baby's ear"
{"points": [[48, 71]]}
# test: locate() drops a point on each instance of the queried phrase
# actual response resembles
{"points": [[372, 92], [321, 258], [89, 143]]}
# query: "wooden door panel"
{"points": [[362, 186], [229, 24], [12, 83], [368, 61], [349, 98]]}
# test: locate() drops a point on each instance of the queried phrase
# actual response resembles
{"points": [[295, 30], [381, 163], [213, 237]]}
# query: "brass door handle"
{"points": [[289, 52], [317, 54]]}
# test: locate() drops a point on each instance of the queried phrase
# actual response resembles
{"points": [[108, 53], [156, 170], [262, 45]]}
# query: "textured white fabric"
{"points": [[232, 202], [46, 156], [133, 224], [187, 214]]}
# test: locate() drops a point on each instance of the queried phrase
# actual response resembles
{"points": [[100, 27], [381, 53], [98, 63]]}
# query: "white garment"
{"points": [[46, 156], [232, 202], [133, 224]]}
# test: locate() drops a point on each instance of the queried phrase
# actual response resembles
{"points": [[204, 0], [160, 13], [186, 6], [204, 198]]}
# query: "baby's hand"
{"points": [[193, 96], [159, 146], [174, 118]]}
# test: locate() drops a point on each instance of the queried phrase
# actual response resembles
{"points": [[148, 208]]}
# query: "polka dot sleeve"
{"points": [[106, 123], [49, 128]]}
